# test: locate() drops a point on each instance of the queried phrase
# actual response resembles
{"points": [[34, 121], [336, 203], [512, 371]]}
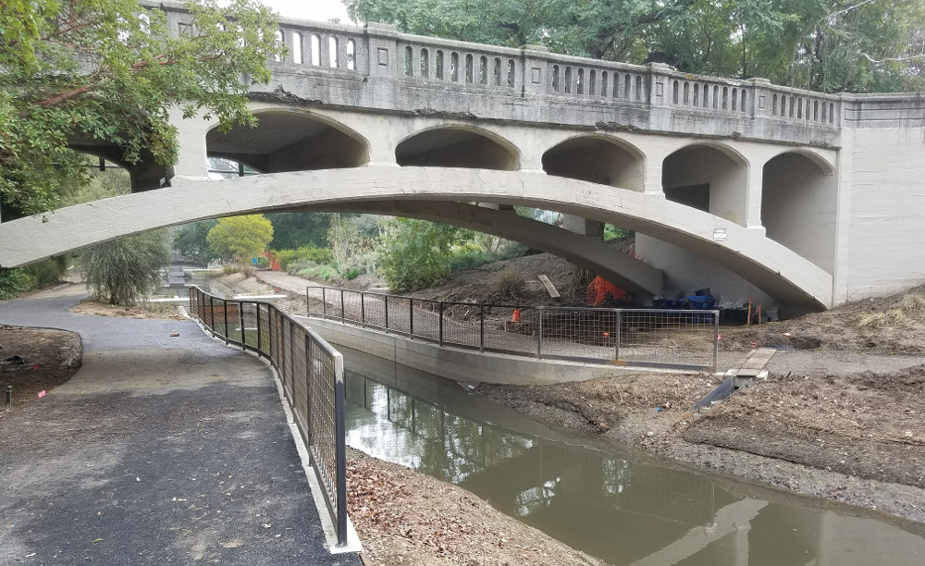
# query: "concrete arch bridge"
{"points": [[792, 197]]}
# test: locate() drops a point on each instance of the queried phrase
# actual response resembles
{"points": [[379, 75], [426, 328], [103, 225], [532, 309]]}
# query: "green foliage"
{"points": [[191, 241], [468, 259], [350, 236], [322, 272], [819, 44], [99, 185], [414, 254], [262, 262], [14, 281], [240, 237], [296, 230], [612, 232], [303, 255], [85, 69], [123, 271]]}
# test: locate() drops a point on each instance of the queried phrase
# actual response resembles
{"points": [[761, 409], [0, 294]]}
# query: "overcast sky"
{"points": [[318, 10]]}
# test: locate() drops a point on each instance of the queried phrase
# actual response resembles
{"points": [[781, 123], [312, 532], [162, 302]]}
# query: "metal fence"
{"points": [[312, 376], [677, 338]]}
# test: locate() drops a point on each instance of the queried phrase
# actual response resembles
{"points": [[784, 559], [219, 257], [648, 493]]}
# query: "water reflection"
{"points": [[625, 512]]}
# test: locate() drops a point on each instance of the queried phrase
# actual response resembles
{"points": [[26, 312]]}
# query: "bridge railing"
{"points": [[311, 373], [379, 50], [678, 338]]}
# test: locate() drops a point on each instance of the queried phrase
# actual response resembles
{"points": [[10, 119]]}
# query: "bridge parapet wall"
{"points": [[378, 68]]}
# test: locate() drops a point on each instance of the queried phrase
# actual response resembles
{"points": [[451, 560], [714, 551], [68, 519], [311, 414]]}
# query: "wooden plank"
{"points": [[550, 288], [759, 359]]}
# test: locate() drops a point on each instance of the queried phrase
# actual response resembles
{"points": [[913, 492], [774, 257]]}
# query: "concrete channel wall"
{"points": [[457, 364]]}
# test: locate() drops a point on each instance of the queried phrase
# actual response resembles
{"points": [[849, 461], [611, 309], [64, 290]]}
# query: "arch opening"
{"points": [[798, 206], [597, 160], [456, 147], [288, 141], [145, 175], [708, 179]]}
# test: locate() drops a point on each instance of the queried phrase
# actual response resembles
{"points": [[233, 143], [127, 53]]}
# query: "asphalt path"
{"points": [[161, 450]]}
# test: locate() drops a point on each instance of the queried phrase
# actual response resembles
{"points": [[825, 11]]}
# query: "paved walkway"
{"points": [[160, 450]]}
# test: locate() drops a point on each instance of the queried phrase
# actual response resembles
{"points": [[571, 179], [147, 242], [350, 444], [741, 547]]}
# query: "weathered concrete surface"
{"points": [[782, 273], [159, 450]]}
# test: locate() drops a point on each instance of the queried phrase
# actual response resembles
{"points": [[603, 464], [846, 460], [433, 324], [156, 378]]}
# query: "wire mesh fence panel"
{"points": [[399, 314], [322, 411], [511, 329], [300, 380], [587, 334], [374, 310], [263, 328], [248, 327], [674, 337], [315, 300], [426, 319], [352, 306], [462, 324]]}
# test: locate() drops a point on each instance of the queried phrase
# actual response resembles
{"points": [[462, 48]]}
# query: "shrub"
{"points": [[263, 262], [123, 271], [510, 284], [15, 281], [414, 253], [286, 258]]}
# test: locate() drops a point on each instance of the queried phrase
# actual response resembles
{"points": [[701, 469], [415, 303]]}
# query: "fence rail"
{"points": [[684, 339], [312, 376]]}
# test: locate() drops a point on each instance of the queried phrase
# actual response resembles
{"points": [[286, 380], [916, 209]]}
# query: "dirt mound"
{"points": [[892, 325], [34, 360]]}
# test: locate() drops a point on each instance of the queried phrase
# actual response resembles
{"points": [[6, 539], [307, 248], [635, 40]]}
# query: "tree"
{"points": [[828, 45], [295, 230], [414, 254], [84, 70], [240, 237], [191, 241], [124, 270]]}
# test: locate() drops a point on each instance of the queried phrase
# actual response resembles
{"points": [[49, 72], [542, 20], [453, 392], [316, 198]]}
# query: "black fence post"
{"points": [[324, 302], [616, 337], [257, 305], [481, 327], [539, 333], [441, 322], [225, 310], [212, 314], [340, 459], [241, 321], [386, 299], [343, 316], [411, 316], [362, 309]]}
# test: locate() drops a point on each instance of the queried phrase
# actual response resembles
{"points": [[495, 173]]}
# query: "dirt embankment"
{"points": [[404, 517]]}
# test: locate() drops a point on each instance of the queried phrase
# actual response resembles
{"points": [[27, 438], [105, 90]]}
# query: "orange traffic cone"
{"points": [[516, 317]]}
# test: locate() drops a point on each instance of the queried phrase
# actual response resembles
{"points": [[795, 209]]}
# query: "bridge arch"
{"points": [[458, 145], [288, 139], [597, 158], [782, 273], [798, 205], [708, 176]]}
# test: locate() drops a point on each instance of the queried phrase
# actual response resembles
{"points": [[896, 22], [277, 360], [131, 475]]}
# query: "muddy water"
{"points": [[623, 507]]}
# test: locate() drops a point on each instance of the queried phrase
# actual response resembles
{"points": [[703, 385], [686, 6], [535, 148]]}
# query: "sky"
{"points": [[318, 10]]}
